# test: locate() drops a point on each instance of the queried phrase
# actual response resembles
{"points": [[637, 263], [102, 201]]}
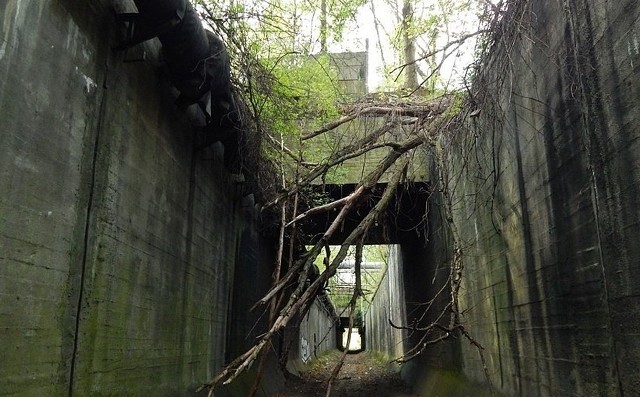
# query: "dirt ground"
{"points": [[361, 376]]}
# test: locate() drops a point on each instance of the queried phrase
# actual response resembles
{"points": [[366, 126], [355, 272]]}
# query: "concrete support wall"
{"points": [[388, 304], [546, 185], [315, 336], [117, 244], [435, 367]]}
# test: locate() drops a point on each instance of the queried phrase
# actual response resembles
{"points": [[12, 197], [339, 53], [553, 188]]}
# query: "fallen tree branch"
{"points": [[431, 111], [330, 126], [352, 151], [365, 185], [320, 209], [385, 109], [279, 145], [418, 111], [300, 299]]}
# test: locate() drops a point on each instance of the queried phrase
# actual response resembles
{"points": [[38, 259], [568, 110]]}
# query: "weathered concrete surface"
{"points": [[388, 304], [315, 336], [48, 132], [117, 244], [548, 205], [437, 371]]}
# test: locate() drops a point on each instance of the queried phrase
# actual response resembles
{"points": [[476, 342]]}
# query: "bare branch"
{"points": [[320, 209], [330, 126], [356, 110], [281, 146], [300, 299], [451, 43], [437, 108]]}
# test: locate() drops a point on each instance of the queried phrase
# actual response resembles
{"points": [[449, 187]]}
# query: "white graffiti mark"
{"points": [[305, 353], [633, 49], [89, 83]]}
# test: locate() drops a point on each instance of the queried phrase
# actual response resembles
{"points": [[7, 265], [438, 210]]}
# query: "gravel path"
{"points": [[361, 376]]}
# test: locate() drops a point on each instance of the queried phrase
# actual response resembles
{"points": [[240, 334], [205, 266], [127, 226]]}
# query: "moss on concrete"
{"points": [[448, 383]]}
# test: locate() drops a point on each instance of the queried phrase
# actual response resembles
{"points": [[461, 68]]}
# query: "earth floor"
{"points": [[361, 376]]}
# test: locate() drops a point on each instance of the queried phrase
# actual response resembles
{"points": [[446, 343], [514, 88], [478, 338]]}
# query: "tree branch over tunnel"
{"points": [[401, 129], [301, 296]]}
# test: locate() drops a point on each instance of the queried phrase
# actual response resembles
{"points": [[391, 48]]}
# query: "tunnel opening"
{"points": [[367, 327], [367, 338], [406, 328], [340, 290], [351, 339], [378, 276]]}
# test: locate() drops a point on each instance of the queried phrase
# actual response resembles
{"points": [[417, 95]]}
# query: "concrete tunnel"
{"points": [[124, 253], [404, 223], [408, 229]]}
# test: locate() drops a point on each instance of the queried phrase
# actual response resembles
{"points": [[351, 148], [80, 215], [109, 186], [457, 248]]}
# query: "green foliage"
{"points": [[430, 27], [302, 96], [308, 85], [289, 91], [342, 12]]}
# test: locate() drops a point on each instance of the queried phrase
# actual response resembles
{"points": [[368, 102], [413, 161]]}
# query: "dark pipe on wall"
{"points": [[197, 59], [198, 65], [161, 10]]}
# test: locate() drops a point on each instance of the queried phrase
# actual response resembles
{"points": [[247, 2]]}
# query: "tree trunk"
{"points": [[323, 26], [410, 71]]}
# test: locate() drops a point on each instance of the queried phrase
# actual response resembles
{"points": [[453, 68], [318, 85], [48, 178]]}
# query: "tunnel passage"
{"points": [[108, 189], [401, 233], [412, 293]]}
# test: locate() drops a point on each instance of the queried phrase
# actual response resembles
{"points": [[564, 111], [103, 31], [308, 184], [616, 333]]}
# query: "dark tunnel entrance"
{"points": [[340, 289], [381, 270], [382, 300], [408, 303]]}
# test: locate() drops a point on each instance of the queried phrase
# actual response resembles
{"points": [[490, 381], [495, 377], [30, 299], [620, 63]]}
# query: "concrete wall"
{"points": [[117, 244], [546, 188], [315, 336], [435, 367], [388, 304]]}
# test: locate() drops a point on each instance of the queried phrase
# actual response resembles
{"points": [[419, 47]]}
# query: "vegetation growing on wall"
{"points": [[294, 102]]}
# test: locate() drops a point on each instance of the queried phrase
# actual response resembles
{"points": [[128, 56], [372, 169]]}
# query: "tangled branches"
{"points": [[298, 299], [429, 124]]}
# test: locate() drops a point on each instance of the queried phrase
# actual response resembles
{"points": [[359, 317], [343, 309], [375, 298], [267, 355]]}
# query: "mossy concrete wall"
{"points": [[315, 335], [119, 245], [388, 305], [546, 184]]}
